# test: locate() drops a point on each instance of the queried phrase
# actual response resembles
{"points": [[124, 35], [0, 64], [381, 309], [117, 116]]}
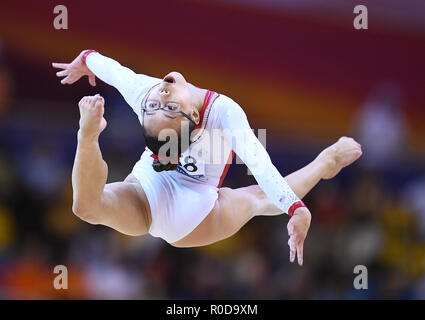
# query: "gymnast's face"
{"points": [[174, 92]]}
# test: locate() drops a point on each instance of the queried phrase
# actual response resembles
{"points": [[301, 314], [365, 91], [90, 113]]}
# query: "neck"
{"points": [[198, 96]]}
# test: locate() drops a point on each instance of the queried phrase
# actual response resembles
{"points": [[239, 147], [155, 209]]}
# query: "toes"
{"points": [[83, 101], [92, 101], [98, 102]]}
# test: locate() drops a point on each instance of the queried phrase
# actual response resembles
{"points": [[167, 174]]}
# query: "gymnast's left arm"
{"points": [[239, 134], [93, 64]]}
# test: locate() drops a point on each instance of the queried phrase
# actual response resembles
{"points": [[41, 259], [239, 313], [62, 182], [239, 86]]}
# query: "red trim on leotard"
{"points": [[207, 99], [226, 168]]}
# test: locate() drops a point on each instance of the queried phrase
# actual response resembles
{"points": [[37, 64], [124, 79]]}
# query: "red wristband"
{"points": [[295, 206], [85, 54]]}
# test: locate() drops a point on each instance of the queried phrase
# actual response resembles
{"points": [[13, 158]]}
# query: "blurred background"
{"points": [[298, 68]]}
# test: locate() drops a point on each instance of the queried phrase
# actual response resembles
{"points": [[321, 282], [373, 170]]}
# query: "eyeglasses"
{"points": [[170, 107]]}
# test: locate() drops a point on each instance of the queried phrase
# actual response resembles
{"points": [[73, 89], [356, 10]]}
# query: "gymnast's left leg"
{"points": [[235, 207]]}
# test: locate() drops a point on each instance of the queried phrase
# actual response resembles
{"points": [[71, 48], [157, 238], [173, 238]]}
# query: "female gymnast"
{"points": [[174, 191]]}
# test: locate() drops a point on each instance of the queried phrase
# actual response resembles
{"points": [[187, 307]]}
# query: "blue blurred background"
{"points": [[298, 68]]}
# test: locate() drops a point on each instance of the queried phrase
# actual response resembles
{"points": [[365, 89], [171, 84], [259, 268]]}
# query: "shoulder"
{"points": [[225, 104], [227, 107], [223, 100]]}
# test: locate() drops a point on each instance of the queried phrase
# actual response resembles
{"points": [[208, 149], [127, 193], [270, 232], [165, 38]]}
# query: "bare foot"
{"points": [[339, 155], [92, 122]]}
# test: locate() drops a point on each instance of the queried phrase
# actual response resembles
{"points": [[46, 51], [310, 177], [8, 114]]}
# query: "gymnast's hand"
{"points": [[298, 227], [92, 122], [74, 71]]}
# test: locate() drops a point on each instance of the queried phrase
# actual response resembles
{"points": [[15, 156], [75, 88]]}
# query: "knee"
{"points": [[85, 213]]}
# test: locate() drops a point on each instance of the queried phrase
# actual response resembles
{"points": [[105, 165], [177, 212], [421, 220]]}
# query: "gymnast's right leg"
{"points": [[122, 206]]}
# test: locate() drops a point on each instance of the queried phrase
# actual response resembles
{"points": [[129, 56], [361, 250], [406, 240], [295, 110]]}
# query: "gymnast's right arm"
{"points": [[119, 205]]}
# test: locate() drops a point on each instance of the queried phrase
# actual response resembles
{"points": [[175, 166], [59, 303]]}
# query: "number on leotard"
{"points": [[190, 166]]}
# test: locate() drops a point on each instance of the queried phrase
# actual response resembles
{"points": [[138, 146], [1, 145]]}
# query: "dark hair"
{"points": [[155, 145]]}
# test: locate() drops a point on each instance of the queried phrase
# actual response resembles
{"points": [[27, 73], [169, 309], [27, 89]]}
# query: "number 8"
{"points": [[190, 164]]}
